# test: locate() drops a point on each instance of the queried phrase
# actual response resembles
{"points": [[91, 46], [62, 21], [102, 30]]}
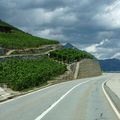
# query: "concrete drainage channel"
{"points": [[3, 95], [113, 97]]}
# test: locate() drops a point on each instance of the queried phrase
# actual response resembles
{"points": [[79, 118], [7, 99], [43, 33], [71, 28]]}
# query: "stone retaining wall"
{"points": [[23, 57], [89, 68]]}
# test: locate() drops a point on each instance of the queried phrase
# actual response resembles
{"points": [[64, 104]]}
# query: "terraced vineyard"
{"points": [[18, 39], [69, 55], [23, 74]]}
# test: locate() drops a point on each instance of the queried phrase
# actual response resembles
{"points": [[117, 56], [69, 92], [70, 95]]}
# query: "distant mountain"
{"points": [[110, 65], [68, 45]]}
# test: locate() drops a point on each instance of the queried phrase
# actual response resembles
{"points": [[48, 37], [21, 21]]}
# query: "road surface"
{"points": [[74, 100]]}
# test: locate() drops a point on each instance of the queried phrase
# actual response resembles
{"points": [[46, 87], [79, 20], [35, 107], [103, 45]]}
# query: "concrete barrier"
{"points": [[112, 88]]}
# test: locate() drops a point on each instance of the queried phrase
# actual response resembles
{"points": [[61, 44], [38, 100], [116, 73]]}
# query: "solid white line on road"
{"points": [[29, 94], [61, 98], [36, 91], [110, 101]]}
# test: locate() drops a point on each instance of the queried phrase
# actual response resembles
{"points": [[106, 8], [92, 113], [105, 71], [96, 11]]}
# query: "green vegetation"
{"points": [[70, 55], [18, 39], [23, 74], [4, 24]]}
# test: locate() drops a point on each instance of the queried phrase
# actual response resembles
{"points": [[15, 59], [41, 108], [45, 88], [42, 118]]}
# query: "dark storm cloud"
{"points": [[85, 23], [45, 4]]}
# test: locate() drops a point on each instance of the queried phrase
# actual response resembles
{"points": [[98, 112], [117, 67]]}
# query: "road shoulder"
{"points": [[110, 89]]}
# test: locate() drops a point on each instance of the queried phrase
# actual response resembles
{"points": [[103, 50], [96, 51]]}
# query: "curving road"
{"points": [[74, 100]]}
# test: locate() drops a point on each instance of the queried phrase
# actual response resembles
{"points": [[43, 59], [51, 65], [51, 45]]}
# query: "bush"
{"points": [[70, 55], [23, 74], [18, 40]]}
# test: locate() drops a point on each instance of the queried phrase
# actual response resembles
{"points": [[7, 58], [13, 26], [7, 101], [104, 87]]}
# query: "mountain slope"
{"points": [[2, 23], [68, 45], [13, 38], [110, 64], [69, 55]]}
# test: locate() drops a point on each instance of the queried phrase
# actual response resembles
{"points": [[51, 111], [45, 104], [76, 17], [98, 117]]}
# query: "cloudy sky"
{"points": [[91, 25]]}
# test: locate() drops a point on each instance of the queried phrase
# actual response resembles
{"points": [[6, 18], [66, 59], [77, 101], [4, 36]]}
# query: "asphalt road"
{"points": [[74, 100]]}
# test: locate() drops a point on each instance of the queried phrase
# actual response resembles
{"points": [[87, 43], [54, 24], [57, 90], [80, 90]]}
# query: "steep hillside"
{"points": [[82, 64], [2, 23], [28, 61], [13, 38], [69, 55]]}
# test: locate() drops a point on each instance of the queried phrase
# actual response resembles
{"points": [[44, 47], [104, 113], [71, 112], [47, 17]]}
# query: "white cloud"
{"points": [[94, 47], [61, 14], [54, 33], [45, 32], [116, 55], [110, 16]]}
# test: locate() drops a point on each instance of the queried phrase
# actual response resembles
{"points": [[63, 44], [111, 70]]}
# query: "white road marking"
{"points": [[28, 94], [110, 101], [61, 98], [33, 92]]}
